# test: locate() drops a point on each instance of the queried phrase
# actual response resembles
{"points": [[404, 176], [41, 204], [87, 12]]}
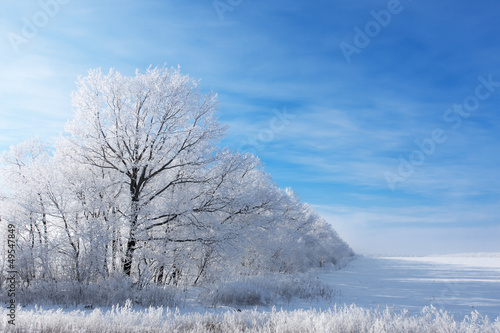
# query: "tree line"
{"points": [[139, 187]]}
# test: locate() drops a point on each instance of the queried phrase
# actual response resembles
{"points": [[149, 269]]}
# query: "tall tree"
{"points": [[155, 129]]}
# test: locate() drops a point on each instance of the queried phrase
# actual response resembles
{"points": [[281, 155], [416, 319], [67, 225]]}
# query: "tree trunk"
{"points": [[129, 254], [114, 250], [132, 240]]}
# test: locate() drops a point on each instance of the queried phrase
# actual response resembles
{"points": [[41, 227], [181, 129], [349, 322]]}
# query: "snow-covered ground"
{"points": [[467, 287], [458, 284]]}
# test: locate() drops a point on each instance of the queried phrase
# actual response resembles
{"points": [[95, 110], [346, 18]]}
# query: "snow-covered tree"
{"points": [[140, 187], [154, 129]]}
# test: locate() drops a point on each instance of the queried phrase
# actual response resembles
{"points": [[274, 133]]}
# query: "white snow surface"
{"points": [[457, 284]]}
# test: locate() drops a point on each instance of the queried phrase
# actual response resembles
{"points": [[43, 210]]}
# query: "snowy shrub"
{"points": [[104, 293], [304, 288], [301, 286], [266, 290], [238, 294]]}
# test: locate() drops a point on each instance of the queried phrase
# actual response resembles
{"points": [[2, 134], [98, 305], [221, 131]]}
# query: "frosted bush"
{"points": [[339, 319], [303, 286], [266, 290], [239, 294], [104, 293]]}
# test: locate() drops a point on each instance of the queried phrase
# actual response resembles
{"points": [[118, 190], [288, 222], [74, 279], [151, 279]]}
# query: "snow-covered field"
{"points": [[397, 294], [457, 284]]}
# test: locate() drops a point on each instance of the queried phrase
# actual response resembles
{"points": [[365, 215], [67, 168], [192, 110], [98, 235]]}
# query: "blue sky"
{"points": [[383, 115]]}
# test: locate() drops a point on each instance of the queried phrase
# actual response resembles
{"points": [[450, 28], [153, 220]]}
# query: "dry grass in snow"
{"points": [[338, 319]]}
